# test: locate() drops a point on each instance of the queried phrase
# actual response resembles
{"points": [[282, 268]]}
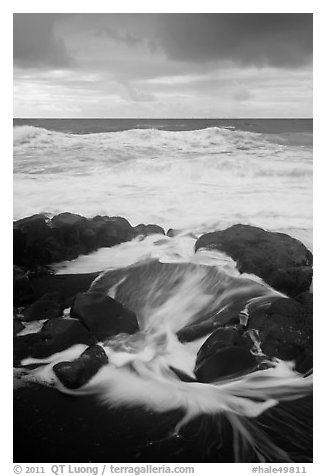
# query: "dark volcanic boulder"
{"points": [[292, 280], [195, 331], [142, 229], [68, 220], [22, 288], [282, 261], [78, 372], [286, 307], [67, 228], [30, 234], [103, 316], [223, 354], [306, 301], [111, 231], [23, 347], [42, 309], [56, 335], [54, 296], [75, 232], [285, 331]]}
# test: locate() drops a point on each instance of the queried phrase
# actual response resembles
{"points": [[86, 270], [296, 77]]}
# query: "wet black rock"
{"points": [[292, 280], [67, 229], [285, 331], [23, 347], [150, 229], [42, 309], [103, 316], [22, 289], [78, 372], [195, 331], [55, 336], [306, 300], [223, 354], [282, 261], [29, 234], [54, 296], [68, 220], [111, 231], [286, 307]]}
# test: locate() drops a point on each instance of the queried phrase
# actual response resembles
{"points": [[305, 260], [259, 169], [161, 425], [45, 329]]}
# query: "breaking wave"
{"points": [[178, 179]]}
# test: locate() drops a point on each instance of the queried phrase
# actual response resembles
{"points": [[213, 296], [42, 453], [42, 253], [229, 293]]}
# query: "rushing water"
{"points": [[194, 176]]}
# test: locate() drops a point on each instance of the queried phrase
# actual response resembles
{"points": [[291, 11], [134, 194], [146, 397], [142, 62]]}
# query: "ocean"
{"points": [[194, 175]]}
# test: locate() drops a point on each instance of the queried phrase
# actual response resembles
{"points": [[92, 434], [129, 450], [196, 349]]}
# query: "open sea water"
{"points": [[195, 175]]}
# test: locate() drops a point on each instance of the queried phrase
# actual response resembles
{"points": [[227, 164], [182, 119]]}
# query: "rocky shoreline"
{"points": [[284, 326]]}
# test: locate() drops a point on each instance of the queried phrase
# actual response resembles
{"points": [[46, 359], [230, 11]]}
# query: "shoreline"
{"points": [[42, 415]]}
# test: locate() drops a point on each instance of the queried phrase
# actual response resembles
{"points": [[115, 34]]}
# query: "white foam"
{"points": [[185, 179]]}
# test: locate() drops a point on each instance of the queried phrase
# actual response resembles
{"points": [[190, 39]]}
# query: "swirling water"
{"points": [[196, 177]]}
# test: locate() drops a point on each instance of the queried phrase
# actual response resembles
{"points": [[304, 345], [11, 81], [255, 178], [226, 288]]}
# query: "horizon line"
{"points": [[172, 118]]}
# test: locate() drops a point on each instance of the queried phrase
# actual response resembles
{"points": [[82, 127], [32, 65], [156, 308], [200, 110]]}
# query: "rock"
{"points": [[22, 288], [149, 229], [62, 287], [285, 330], [75, 231], [223, 354], [18, 326], [77, 373], [282, 261], [111, 231], [60, 334], [103, 316], [219, 339], [195, 331], [293, 280], [182, 375], [226, 362], [304, 361], [286, 307], [54, 296], [31, 233], [67, 230], [40, 241], [23, 347], [19, 244], [306, 300], [56, 335], [42, 309], [68, 220]]}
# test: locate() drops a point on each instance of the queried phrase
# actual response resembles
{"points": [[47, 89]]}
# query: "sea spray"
{"points": [[196, 180]]}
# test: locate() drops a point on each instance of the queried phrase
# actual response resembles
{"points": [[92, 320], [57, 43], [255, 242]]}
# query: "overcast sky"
{"points": [[162, 65]]}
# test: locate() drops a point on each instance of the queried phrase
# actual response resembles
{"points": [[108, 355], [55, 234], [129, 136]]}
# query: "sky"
{"points": [[156, 65]]}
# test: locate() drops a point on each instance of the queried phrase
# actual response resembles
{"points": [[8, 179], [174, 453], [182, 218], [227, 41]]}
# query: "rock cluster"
{"points": [[283, 328], [39, 241]]}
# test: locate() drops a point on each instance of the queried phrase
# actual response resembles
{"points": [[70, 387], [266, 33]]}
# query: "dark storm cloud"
{"points": [[35, 43], [157, 64], [248, 39], [279, 40]]}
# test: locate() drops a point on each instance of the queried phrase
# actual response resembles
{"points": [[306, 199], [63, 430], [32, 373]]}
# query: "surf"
{"points": [[155, 370]]}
